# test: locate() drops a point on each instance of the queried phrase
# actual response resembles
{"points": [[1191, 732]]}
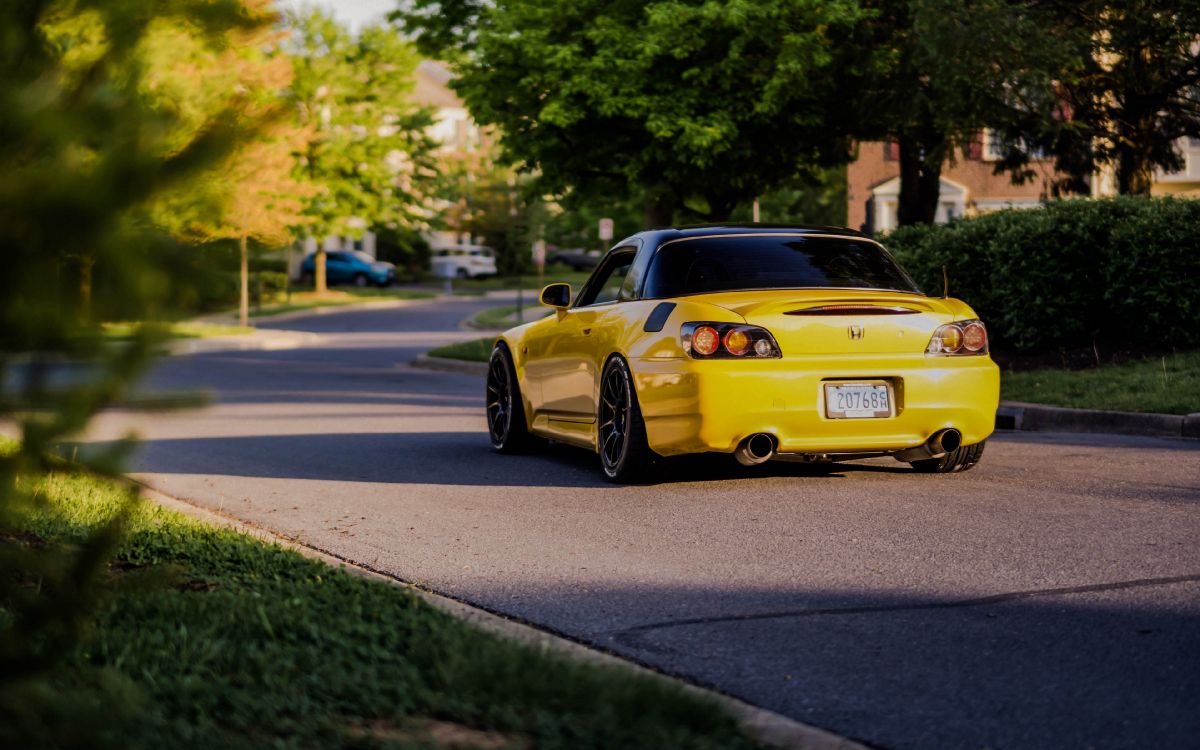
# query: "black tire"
{"points": [[463, 273], [960, 459], [625, 454], [505, 410], [361, 280]]}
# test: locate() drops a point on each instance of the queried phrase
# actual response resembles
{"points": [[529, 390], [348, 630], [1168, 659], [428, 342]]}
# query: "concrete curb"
{"points": [[1017, 415], [378, 304], [765, 726], [445, 364]]}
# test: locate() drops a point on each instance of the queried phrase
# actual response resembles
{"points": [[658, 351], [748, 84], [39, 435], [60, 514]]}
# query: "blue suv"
{"points": [[349, 267]]}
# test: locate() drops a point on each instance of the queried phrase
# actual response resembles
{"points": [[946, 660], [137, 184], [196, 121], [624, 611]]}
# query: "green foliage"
{"points": [[82, 151], [475, 350], [1129, 86], [1168, 384], [406, 248], [233, 643], [697, 107], [810, 198], [1119, 271], [370, 156]]}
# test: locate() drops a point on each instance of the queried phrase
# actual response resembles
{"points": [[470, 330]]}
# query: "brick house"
{"points": [[969, 187]]}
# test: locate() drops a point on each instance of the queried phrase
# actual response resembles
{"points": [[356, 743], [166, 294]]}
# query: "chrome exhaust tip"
{"points": [[945, 441], [939, 444], [756, 449]]}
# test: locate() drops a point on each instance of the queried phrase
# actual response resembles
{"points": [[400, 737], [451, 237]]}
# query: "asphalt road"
{"points": [[1050, 598]]}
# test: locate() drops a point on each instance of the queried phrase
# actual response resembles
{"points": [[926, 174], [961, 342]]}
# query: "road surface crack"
{"points": [[632, 636]]}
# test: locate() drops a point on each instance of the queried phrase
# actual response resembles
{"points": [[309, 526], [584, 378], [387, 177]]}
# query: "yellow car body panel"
{"points": [[697, 405]]}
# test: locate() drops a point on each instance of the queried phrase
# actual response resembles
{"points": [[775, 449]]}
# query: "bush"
{"points": [[1120, 271]]}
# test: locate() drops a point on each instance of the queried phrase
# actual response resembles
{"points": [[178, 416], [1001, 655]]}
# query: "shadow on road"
{"points": [[422, 458]]}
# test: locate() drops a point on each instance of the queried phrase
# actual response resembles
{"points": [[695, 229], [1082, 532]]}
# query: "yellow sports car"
{"points": [[791, 343]]}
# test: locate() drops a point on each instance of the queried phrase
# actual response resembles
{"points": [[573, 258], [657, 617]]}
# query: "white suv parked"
{"points": [[464, 262]]}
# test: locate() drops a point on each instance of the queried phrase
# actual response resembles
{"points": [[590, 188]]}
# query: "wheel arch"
{"points": [[518, 363]]}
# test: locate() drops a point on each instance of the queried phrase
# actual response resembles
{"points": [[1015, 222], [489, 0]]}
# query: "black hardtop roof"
{"points": [[659, 236]]}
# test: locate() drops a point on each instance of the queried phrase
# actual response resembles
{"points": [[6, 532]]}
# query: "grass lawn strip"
{"points": [[223, 640], [1161, 385], [179, 330], [475, 350], [502, 317], [332, 298]]}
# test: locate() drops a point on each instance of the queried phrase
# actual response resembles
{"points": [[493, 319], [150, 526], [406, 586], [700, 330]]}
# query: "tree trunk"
{"points": [[244, 291], [920, 181], [85, 285], [1135, 168], [660, 209], [319, 271]]}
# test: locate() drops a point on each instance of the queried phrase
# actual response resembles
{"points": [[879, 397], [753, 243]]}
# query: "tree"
{"points": [[254, 193], [82, 153], [697, 107], [1129, 93], [371, 158], [935, 73]]}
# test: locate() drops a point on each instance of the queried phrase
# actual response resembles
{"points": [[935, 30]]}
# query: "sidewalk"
{"points": [[262, 339]]}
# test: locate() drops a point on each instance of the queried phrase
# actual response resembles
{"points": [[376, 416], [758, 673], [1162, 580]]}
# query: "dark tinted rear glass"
{"points": [[718, 264]]}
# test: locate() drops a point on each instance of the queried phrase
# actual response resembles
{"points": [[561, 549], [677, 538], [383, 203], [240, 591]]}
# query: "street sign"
{"points": [[606, 229]]}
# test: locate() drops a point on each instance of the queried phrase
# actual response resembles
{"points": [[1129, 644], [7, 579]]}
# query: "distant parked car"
{"points": [[466, 262], [578, 260], [349, 267]]}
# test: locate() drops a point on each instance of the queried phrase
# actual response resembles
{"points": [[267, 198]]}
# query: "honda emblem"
{"points": [[856, 332]]}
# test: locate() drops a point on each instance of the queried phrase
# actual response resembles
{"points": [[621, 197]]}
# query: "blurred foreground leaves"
{"points": [[90, 138]]}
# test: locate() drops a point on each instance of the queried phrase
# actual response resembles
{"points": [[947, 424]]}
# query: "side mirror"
{"points": [[557, 296]]}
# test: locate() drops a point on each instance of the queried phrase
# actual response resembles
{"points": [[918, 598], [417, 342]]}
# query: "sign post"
{"points": [[539, 257]]}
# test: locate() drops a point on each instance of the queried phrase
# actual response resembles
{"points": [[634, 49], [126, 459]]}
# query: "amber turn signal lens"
{"points": [[974, 337], [952, 338], [737, 342], [705, 340]]}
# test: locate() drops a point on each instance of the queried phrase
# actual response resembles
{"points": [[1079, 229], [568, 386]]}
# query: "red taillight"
{"points": [[737, 342], [705, 340], [727, 341], [974, 337]]}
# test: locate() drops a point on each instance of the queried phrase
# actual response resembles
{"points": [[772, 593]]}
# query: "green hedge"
{"points": [[1123, 271]]}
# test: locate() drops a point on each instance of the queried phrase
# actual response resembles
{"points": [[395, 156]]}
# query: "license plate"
{"points": [[857, 401]]}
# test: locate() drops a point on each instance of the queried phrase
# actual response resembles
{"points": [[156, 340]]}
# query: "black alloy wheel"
{"points": [[505, 411], [624, 451]]}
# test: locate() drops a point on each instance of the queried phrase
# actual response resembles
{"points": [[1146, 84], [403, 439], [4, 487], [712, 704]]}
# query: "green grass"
{"points": [[475, 350], [214, 639], [1166, 385], [178, 330], [501, 317], [309, 300]]}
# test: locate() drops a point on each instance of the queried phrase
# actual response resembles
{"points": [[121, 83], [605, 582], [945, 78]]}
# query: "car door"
{"points": [[338, 269], [568, 366]]}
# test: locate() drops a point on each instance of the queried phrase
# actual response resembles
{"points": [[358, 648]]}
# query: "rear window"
{"points": [[721, 264]]}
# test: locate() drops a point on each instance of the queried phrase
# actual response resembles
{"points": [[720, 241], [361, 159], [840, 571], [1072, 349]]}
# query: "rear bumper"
{"points": [[693, 406]]}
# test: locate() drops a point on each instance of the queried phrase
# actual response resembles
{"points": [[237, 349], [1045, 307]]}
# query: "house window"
{"points": [[994, 147], [891, 151]]}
